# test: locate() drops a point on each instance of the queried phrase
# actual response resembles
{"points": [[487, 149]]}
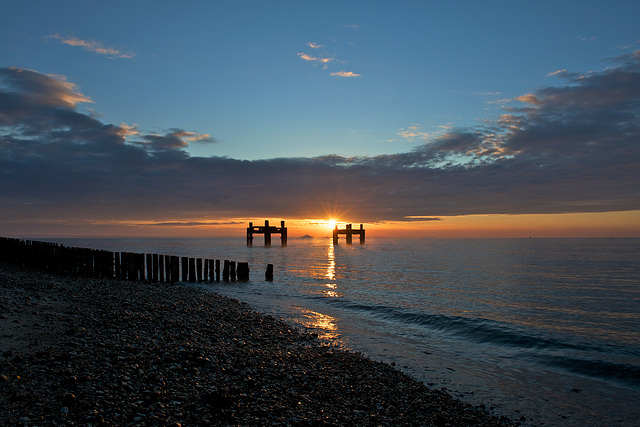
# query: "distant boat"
{"points": [[306, 236]]}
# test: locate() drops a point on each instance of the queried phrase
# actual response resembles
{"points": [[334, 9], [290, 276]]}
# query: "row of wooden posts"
{"points": [[58, 259]]}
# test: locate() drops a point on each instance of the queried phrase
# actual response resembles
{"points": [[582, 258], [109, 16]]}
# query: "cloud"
{"points": [[307, 57], [345, 74], [35, 89], [310, 58], [587, 38], [315, 45], [422, 218], [352, 26], [529, 98], [413, 132], [573, 147], [500, 101], [191, 223], [555, 73], [92, 46]]}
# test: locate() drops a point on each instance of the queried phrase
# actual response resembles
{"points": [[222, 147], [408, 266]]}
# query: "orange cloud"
{"points": [[92, 46], [310, 58], [412, 132], [555, 73], [529, 99], [345, 74]]}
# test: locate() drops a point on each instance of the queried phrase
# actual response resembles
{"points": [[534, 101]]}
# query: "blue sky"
{"points": [[435, 104], [233, 69]]}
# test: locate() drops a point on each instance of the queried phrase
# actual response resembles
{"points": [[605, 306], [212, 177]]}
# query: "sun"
{"points": [[331, 223]]}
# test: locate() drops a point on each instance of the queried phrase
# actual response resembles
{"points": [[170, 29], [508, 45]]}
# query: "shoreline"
{"points": [[107, 352]]}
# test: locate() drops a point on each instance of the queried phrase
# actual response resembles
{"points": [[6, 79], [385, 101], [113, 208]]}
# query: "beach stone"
{"points": [[160, 354], [68, 399]]}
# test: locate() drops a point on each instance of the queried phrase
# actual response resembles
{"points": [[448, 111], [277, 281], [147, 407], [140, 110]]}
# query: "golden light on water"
{"points": [[331, 274], [324, 325], [331, 263]]}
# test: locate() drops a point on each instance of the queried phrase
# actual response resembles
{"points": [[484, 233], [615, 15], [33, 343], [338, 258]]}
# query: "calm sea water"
{"points": [[546, 329]]}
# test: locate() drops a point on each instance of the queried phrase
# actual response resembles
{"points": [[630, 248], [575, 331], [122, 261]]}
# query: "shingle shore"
{"points": [[105, 352]]}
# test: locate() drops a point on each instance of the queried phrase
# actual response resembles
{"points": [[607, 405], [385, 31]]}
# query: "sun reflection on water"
{"points": [[322, 324], [331, 273], [331, 263]]}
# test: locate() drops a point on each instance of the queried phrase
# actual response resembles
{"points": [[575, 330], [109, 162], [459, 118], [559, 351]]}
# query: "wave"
{"points": [[621, 372], [475, 329], [547, 350]]}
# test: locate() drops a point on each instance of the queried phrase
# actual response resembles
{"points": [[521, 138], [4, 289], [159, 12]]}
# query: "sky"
{"points": [[415, 118]]}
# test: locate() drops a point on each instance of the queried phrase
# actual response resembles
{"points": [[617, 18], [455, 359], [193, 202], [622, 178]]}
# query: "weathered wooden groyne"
{"points": [[55, 258]]}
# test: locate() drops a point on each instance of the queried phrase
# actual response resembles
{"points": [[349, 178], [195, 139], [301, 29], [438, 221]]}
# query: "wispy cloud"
{"points": [[413, 132], [352, 26], [588, 39], [191, 223], [572, 147], [345, 74], [555, 73], [500, 101], [310, 58], [315, 45], [92, 46]]}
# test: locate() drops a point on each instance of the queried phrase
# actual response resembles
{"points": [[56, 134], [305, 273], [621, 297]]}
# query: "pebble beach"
{"points": [[93, 352]]}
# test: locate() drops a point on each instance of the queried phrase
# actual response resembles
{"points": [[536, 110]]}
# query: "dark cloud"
{"points": [[573, 147], [191, 223]]}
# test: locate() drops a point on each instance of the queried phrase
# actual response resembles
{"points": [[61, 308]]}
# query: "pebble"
{"points": [[175, 355]]}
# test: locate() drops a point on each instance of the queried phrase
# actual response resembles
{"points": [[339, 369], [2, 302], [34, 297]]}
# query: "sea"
{"points": [[544, 331]]}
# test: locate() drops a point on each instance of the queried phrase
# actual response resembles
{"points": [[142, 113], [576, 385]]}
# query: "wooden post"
{"points": [[243, 271], [361, 234], [130, 266], [205, 275], [140, 267], [232, 271], [225, 272], [199, 269], [192, 270], [349, 235], [283, 234], [123, 266], [168, 265], [267, 233], [154, 276], [149, 267], [268, 275], [217, 270], [116, 256], [161, 267], [175, 269], [109, 268], [250, 235], [335, 235], [185, 269]]}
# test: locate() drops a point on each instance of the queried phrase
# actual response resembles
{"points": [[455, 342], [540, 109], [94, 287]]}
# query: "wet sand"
{"points": [[78, 351]]}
